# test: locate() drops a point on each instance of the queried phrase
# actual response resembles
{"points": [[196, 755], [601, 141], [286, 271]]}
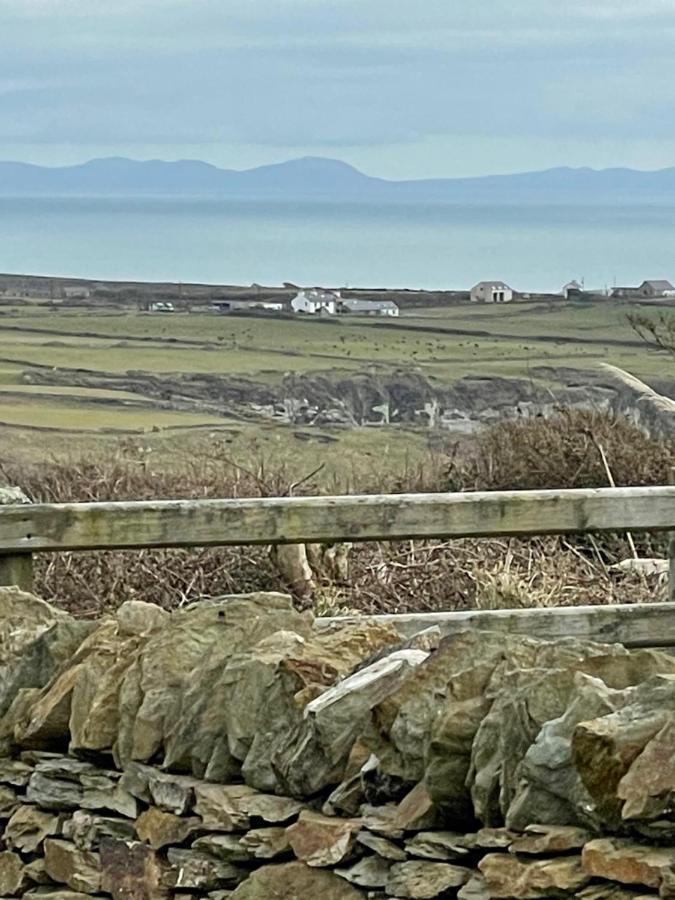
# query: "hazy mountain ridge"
{"points": [[327, 179]]}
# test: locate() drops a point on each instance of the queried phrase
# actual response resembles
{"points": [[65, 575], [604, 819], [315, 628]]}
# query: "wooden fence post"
{"points": [[15, 568]]}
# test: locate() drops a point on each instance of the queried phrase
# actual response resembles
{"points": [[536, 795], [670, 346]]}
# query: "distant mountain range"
{"points": [[314, 178]]}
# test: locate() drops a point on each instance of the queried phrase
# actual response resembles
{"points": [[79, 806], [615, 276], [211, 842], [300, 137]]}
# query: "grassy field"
{"points": [[444, 344]]}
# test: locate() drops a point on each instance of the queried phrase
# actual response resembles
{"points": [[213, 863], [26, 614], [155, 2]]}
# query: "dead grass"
{"points": [[383, 577]]}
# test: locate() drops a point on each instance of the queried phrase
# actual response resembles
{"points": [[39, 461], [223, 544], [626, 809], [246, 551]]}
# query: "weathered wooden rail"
{"points": [[45, 528]]}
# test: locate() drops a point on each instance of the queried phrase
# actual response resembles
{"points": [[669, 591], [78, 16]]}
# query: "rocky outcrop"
{"points": [[233, 749]]}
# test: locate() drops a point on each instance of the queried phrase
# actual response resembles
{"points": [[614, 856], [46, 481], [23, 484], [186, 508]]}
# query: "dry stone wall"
{"points": [[238, 749]]}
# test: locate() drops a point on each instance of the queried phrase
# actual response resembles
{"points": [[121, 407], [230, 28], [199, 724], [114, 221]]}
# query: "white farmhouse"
{"points": [[491, 292], [315, 301]]}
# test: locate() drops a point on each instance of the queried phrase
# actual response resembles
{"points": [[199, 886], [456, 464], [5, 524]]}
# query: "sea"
{"points": [[435, 247]]}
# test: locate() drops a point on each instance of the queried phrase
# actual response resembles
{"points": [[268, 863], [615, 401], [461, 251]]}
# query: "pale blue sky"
{"points": [[399, 89]]}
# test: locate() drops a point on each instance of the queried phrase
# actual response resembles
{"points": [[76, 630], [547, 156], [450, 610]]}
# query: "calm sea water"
{"points": [[531, 247]]}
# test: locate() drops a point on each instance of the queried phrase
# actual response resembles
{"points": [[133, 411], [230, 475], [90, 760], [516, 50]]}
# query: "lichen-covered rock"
{"points": [[80, 870], [162, 694], [291, 881], [161, 829], [540, 840], [608, 755], [423, 880], [13, 876], [507, 876], [627, 862], [232, 807], [321, 840], [28, 827], [444, 846], [88, 830]]}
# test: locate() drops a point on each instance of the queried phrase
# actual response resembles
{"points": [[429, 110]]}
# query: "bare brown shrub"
{"points": [[383, 577]]}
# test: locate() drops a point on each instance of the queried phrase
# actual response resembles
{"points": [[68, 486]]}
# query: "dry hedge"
{"points": [[564, 451]]}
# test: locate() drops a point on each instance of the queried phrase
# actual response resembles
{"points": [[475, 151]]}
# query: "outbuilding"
{"points": [[491, 292]]}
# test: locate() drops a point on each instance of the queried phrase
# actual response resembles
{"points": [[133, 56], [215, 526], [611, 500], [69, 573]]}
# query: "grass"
{"points": [[515, 341]]}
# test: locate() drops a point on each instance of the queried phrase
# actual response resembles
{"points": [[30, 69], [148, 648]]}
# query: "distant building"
{"points": [[657, 288], [368, 307], [76, 292], [572, 288], [161, 306], [316, 301], [491, 292], [649, 289], [229, 306]]}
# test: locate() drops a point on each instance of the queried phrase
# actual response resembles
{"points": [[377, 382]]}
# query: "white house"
{"points": [[491, 292], [572, 287], [368, 307], [315, 301]]}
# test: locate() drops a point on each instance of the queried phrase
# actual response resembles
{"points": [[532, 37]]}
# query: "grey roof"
{"points": [[491, 284], [657, 285]]}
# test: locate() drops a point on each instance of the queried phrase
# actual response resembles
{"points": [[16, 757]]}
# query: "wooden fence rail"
{"points": [[44, 528]]}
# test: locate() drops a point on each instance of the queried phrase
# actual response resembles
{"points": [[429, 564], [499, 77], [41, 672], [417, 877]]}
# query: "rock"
{"points": [[320, 840], [531, 693], [292, 881], [546, 839], [13, 877], [15, 772], [612, 892], [28, 828], [80, 870], [415, 812], [227, 847], [88, 830], [384, 848], [507, 876], [627, 862], [106, 657], [475, 889], [115, 800], [492, 839], [371, 872], [648, 787], [137, 618], [36, 872], [133, 871], [8, 802], [172, 793], [439, 845], [549, 788], [163, 703], [63, 895], [53, 793], [232, 807], [274, 683], [200, 871], [159, 828], [422, 880], [333, 721], [606, 748], [266, 843], [35, 640]]}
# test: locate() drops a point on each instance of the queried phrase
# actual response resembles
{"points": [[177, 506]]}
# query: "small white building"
{"points": [[357, 307], [572, 287], [76, 292], [491, 292], [315, 301], [161, 306], [228, 306]]}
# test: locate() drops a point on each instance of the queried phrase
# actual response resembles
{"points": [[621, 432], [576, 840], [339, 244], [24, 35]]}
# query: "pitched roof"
{"points": [[366, 305], [501, 285], [657, 285]]}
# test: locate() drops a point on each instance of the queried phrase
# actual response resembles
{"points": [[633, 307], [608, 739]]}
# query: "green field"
{"points": [[105, 347]]}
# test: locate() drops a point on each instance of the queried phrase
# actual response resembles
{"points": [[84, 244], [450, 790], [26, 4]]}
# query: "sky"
{"points": [[435, 88]]}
